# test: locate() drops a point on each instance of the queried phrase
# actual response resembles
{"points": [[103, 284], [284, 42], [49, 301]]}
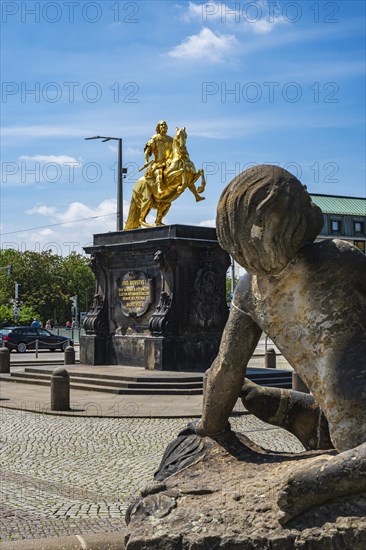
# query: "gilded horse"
{"points": [[179, 174]]}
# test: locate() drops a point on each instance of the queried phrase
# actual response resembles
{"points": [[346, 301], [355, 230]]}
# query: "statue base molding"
{"points": [[227, 499]]}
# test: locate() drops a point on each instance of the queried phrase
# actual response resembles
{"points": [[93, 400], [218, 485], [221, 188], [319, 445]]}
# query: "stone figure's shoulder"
{"points": [[243, 291], [348, 249], [332, 249], [336, 258]]}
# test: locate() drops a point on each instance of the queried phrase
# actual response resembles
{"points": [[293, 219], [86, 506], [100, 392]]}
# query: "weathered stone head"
{"points": [[264, 216]]}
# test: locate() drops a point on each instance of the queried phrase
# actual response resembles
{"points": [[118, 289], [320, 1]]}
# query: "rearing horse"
{"points": [[178, 174]]}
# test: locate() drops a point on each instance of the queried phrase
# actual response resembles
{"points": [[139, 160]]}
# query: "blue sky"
{"points": [[252, 82]]}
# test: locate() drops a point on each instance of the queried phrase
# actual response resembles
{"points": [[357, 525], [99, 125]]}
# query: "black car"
{"points": [[23, 338]]}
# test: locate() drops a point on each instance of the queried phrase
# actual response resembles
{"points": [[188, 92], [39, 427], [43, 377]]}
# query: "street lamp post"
{"points": [[121, 171]]}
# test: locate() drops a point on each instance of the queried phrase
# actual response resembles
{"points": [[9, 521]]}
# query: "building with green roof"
{"points": [[344, 218]]}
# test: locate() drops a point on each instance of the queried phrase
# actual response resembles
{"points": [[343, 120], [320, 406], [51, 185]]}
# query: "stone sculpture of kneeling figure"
{"points": [[310, 298]]}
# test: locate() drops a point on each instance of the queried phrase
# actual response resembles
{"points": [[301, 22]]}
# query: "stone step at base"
{"points": [[115, 383], [106, 389], [143, 379]]}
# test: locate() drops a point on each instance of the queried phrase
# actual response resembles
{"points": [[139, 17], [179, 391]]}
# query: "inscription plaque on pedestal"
{"points": [[135, 290]]}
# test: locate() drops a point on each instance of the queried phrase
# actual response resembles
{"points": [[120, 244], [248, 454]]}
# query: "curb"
{"points": [[100, 541], [71, 413]]}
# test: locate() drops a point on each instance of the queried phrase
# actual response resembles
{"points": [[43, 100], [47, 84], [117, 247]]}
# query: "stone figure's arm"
{"points": [[323, 480], [225, 378]]}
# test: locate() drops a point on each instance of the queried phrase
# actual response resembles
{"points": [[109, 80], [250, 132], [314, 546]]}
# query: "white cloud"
{"points": [[42, 209], [207, 223], [132, 152], [69, 230], [263, 26], [46, 232], [78, 214], [206, 46], [57, 159], [128, 151], [260, 17], [196, 11], [78, 210]]}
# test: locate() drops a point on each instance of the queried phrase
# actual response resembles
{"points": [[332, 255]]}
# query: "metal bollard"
{"points": [[298, 384], [60, 390], [4, 360], [270, 359], [69, 358]]}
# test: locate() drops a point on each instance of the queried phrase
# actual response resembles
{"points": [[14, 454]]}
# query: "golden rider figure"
{"points": [[159, 145]]}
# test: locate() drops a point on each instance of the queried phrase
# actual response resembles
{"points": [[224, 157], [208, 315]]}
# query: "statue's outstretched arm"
{"points": [[225, 378], [322, 481]]}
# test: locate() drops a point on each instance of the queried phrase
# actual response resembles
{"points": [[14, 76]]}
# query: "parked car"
{"points": [[23, 338]]}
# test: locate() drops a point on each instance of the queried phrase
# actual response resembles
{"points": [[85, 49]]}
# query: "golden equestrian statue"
{"points": [[168, 174]]}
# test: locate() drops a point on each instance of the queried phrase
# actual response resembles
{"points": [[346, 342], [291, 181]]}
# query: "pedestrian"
{"points": [[68, 325], [36, 323], [5, 323], [48, 324]]}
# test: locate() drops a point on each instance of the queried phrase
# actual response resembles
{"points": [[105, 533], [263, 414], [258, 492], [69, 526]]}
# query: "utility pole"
{"points": [[232, 277], [120, 176], [16, 305], [74, 307]]}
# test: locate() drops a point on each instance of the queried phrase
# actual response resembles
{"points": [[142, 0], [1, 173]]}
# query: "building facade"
{"points": [[344, 218]]}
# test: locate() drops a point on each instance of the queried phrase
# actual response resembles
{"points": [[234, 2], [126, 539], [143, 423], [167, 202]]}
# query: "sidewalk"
{"points": [[29, 397], [35, 398]]}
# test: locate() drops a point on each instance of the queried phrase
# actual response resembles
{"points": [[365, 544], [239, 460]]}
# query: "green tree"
{"points": [[228, 287], [26, 315], [81, 280], [46, 283], [6, 313]]}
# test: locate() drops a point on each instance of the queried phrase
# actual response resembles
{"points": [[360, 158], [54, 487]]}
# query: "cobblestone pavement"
{"points": [[67, 475]]}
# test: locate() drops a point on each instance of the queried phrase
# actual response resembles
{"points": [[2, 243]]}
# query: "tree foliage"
{"points": [[229, 287], [47, 282]]}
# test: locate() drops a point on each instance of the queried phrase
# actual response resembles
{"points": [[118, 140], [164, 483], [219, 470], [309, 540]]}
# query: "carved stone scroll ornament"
{"points": [[159, 322], [206, 303], [96, 321]]}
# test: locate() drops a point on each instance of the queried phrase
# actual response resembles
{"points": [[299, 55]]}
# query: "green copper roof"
{"points": [[331, 204]]}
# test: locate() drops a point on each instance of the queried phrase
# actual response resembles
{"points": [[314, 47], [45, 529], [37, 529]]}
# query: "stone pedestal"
{"points": [[160, 300]]}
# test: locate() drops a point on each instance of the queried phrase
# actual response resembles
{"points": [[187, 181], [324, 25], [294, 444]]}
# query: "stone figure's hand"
{"points": [[200, 430], [323, 480], [198, 427]]}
